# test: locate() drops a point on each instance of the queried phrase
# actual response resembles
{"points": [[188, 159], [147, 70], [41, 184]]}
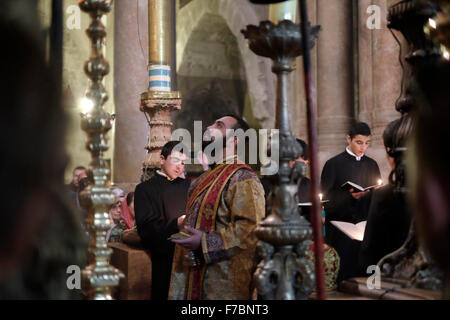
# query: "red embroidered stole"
{"points": [[215, 182]]}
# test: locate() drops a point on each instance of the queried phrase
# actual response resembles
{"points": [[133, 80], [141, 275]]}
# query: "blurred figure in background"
{"points": [[77, 174], [127, 214], [115, 214], [40, 234], [389, 218], [118, 226]]}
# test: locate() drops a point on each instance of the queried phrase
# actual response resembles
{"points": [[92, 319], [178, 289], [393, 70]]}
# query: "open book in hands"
{"points": [[357, 188], [353, 231], [309, 204]]}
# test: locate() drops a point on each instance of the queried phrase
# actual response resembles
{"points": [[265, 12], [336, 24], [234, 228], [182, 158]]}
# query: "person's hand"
{"points": [[180, 221], [193, 242], [357, 195]]}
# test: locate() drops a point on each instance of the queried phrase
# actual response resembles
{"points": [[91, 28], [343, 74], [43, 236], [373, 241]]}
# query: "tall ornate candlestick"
{"points": [[99, 277], [411, 263], [284, 272], [409, 17], [438, 30]]}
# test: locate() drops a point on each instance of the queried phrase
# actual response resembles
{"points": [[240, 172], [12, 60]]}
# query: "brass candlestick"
{"points": [[99, 277], [284, 272]]}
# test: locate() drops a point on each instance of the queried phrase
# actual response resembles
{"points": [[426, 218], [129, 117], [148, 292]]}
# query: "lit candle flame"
{"points": [[380, 182], [445, 53], [432, 23], [320, 196]]}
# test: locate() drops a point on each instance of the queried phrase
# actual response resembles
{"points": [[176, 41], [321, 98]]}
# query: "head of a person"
{"points": [[358, 138], [395, 138], [224, 129], [130, 202], [118, 193], [115, 210], [388, 141], [172, 159], [32, 127], [77, 174], [304, 155]]}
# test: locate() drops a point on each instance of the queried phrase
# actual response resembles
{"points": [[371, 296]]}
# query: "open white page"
{"points": [[353, 231]]}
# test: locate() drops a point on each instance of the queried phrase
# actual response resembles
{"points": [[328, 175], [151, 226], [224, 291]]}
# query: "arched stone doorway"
{"points": [[244, 77], [211, 77]]}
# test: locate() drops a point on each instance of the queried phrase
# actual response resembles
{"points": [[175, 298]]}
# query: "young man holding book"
{"points": [[348, 204], [160, 203]]}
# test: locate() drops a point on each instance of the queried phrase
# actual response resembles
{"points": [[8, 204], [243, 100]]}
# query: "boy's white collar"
{"points": [[163, 174], [351, 153]]}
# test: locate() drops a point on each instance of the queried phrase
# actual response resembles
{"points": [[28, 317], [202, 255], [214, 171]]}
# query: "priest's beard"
{"points": [[217, 153]]}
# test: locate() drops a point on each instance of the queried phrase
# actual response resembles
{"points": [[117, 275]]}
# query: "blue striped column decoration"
{"points": [[159, 78]]}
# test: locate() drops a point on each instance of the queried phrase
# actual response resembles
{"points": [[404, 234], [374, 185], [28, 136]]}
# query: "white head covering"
{"points": [[119, 193]]}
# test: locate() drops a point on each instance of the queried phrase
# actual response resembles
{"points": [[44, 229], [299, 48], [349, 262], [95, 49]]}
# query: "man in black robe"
{"points": [[160, 205], [303, 189], [347, 205], [389, 219]]}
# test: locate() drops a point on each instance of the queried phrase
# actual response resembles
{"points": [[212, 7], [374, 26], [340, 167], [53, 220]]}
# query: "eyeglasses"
{"points": [[176, 160]]}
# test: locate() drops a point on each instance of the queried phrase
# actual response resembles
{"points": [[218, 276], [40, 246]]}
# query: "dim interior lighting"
{"points": [[86, 105]]}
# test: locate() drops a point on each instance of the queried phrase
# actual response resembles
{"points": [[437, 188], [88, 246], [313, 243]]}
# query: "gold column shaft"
{"points": [[159, 35], [158, 105]]}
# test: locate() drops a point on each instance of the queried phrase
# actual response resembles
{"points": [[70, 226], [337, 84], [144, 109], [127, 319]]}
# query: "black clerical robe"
{"points": [[343, 207], [158, 203], [387, 226], [303, 194]]}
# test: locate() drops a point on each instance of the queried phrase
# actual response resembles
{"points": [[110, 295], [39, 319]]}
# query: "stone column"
{"points": [[299, 125], [159, 101], [130, 68], [379, 76], [334, 76], [386, 86], [365, 67]]}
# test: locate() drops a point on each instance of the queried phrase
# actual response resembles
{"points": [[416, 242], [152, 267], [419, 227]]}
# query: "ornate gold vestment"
{"points": [[227, 204]]}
